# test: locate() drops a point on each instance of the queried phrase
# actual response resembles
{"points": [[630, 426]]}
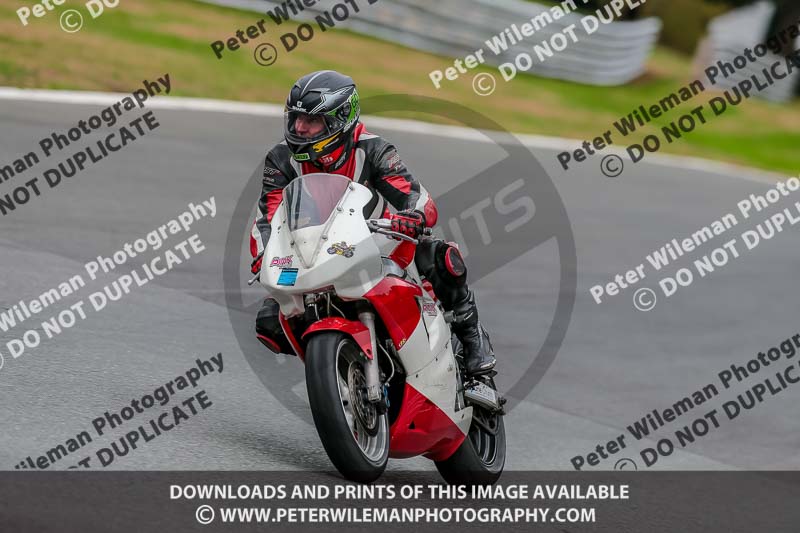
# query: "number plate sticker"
{"points": [[288, 276]]}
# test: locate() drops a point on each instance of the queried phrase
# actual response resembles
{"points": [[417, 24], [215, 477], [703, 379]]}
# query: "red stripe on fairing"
{"points": [[354, 328], [421, 428], [269, 343], [399, 183], [431, 213], [287, 330], [403, 254], [274, 199], [395, 301]]}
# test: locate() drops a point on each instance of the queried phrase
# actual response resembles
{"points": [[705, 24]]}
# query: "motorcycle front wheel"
{"points": [[355, 436]]}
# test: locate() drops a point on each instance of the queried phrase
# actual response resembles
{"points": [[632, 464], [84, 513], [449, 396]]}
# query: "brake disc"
{"points": [[365, 412]]}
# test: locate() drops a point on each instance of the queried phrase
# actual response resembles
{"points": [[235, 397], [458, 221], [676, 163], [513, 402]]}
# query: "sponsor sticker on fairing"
{"points": [[281, 261], [288, 277]]}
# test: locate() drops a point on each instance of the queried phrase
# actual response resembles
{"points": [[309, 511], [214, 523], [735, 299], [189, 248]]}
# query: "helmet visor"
{"points": [[303, 128]]}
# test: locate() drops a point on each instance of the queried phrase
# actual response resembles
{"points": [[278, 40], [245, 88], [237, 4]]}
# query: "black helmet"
{"points": [[332, 96]]}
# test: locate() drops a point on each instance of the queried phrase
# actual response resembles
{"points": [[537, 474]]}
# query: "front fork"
{"points": [[372, 369]]}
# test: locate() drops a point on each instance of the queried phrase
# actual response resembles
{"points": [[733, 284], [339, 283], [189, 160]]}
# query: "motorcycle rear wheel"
{"points": [[482, 456], [354, 435]]}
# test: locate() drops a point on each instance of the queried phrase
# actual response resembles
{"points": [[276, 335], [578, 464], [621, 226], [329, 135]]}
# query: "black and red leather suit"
{"points": [[373, 162]]}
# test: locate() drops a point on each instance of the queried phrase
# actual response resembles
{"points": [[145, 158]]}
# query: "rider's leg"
{"points": [[268, 328], [442, 264]]}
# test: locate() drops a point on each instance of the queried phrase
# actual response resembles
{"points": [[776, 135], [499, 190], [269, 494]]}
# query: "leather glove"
{"points": [[255, 266], [411, 223]]}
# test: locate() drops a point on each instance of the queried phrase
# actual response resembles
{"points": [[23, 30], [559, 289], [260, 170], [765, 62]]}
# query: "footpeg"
{"points": [[481, 394]]}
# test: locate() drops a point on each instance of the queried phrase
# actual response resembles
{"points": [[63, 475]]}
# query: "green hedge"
{"points": [[685, 21]]}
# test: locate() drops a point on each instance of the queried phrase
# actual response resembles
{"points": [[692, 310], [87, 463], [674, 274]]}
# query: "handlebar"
{"points": [[384, 225], [395, 235]]}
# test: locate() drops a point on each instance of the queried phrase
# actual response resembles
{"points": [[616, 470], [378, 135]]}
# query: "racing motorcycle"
{"points": [[384, 373]]}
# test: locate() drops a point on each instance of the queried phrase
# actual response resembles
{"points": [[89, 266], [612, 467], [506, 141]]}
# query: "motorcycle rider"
{"points": [[322, 133]]}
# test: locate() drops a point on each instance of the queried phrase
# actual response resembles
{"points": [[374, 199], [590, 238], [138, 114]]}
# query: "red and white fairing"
{"points": [[335, 249]]}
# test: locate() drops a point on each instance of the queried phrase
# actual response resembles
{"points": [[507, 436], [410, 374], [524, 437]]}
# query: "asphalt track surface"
{"points": [[615, 365]]}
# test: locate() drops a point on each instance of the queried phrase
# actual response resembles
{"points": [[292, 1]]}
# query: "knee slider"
{"points": [[443, 266], [450, 265], [454, 262]]}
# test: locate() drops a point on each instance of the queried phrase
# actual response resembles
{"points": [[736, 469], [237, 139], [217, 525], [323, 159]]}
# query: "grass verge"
{"points": [[143, 39]]}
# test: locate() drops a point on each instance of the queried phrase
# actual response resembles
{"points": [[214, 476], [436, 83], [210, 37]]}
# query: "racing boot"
{"points": [[478, 353]]}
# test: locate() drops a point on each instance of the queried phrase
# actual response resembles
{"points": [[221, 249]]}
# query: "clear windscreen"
{"points": [[311, 199]]}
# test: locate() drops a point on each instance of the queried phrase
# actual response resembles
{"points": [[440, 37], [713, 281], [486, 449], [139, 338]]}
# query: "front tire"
{"points": [[482, 456], [354, 435]]}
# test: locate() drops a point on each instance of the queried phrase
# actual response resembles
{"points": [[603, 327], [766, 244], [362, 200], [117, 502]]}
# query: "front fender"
{"points": [[357, 330]]}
